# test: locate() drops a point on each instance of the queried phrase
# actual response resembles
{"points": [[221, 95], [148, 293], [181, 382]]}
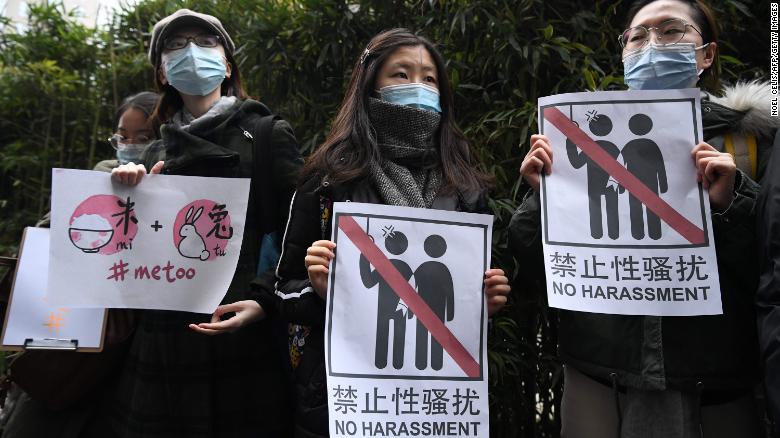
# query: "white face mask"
{"points": [[659, 67]]}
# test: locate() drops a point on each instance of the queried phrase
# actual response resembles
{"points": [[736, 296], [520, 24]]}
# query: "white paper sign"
{"points": [[406, 322], [626, 227], [171, 242], [31, 316]]}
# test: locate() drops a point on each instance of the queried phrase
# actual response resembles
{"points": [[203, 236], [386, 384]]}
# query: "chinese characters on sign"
{"points": [[172, 242], [412, 361], [626, 226]]}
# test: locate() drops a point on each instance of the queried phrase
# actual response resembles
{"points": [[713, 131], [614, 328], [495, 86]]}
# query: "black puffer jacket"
{"points": [[717, 354], [309, 221]]}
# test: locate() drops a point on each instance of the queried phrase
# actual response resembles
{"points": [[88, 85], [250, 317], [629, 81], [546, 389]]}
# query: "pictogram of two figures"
{"points": [[642, 157], [434, 285]]}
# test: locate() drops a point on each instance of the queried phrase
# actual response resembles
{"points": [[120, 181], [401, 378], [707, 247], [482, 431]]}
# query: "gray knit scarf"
{"points": [[409, 173], [185, 120]]}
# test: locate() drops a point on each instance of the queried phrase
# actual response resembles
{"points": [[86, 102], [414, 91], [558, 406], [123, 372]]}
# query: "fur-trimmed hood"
{"points": [[750, 105]]}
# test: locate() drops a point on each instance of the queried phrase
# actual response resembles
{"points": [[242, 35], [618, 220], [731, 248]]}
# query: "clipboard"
{"points": [[25, 326]]}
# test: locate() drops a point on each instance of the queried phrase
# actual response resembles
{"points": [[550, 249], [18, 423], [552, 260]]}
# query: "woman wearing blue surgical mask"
{"points": [[647, 376], [77, 414], [393, 142], [135, 129], [179, 379]]}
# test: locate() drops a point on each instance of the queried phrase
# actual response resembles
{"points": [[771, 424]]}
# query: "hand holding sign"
{"points": [[170, 243], [131, 174], [496, 288], [717, 172], [626, 227], [192, 245], [393, 263], [318, 257], [538, 159]]}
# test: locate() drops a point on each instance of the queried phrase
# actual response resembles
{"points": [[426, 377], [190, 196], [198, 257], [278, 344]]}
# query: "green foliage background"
{"points": [[60, 83]]}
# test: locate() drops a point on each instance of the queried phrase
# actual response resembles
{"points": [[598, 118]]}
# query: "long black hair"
{"points": [[350, 146]]}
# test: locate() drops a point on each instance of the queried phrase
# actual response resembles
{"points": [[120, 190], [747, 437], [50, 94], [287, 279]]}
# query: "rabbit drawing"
{"points": [[192, 244]]}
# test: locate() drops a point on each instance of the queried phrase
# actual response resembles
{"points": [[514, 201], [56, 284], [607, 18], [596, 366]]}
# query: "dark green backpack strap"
{"points": [[262, 171], [264, 191]]}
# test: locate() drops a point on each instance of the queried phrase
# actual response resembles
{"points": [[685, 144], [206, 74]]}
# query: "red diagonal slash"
{"points": [[404, 290], [666, 212]]}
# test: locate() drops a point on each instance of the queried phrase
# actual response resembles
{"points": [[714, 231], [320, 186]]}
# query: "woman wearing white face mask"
{"points": [[178, 380], [671, 376]]}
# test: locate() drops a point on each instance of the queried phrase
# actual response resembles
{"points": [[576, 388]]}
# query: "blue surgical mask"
{"points": [[657, 67], [195, 70], [128, 152], [415, 95]]}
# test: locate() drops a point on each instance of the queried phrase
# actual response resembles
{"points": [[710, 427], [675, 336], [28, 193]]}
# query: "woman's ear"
{"points": [[710, 52], [161, 75], [228, 68]]}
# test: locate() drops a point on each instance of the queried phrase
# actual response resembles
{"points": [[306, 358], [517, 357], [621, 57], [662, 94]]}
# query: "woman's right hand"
{"points": [[318, 257], [131, 174], [538, 160]]}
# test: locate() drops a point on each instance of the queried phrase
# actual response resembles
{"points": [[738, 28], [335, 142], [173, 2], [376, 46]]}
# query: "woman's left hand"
{"points": [[496, 288], [717, 172], [247, 312]]}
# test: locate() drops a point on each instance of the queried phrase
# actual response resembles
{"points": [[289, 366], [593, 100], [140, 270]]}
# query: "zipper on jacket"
{"points": [[246, 133]]}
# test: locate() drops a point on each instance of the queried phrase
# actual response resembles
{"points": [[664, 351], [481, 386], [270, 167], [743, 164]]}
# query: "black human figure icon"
{"points": [[644, 160], [387, 303], [598, 179], [434, 285]]}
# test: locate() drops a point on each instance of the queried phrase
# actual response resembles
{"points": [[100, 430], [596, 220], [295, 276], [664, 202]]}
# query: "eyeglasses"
{"points": [[118, 141], [667, 33], [177, 42]]}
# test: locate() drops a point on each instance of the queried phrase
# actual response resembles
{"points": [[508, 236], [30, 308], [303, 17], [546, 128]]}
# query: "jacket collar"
{"points": [[182, 147], [364, 191], [744, 107]]}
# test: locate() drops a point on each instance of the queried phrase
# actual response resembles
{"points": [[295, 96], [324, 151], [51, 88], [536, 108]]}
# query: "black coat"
{"points": [[768, 295], [177, 382], [310, 220], [717, 354]]}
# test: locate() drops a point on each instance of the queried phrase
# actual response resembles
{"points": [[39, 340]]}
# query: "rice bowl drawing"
{"points": [[90, 232], [97, 225]]}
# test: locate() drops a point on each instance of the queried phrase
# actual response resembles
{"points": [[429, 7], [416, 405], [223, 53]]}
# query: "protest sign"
{"points": [[406, 322], [171, 242], [30, 319], [626, 226]]}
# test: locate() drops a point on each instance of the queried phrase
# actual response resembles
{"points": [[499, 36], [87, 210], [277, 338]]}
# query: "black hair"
{"points": [[705, 21], [350, 146], [145, 101]]}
